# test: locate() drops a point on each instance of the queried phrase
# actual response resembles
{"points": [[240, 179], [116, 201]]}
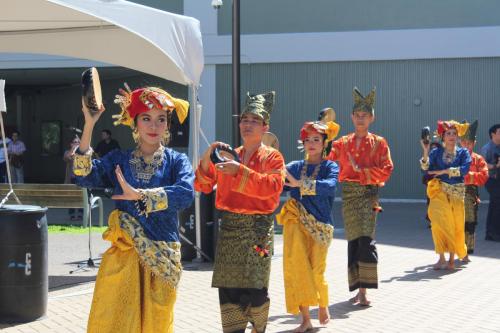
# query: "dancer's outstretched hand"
{"points": [[129, 193]]}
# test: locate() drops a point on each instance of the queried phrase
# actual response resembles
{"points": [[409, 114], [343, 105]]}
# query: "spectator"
{"points": [[107, 144], [16, 150], [74, 213], [3, 165], [491, 153]]}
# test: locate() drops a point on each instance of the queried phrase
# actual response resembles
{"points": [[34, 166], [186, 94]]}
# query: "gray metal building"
{"points": [[428, 59]]}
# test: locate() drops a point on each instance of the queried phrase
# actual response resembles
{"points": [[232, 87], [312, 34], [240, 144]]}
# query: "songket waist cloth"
{"points": [[244, 251], [136, 285], [359, 209], [447, 214], [471, 202], [294, 212], [305, 249]]}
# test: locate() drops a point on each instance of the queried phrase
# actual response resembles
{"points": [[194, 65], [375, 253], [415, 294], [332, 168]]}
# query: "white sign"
{"points": [[3, 105]]}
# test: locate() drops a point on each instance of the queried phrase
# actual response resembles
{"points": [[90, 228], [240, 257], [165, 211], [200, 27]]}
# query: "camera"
{"points": [[216, 4]]}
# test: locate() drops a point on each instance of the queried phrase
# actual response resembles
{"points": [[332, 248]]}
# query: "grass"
{"points": [[73, 229]]}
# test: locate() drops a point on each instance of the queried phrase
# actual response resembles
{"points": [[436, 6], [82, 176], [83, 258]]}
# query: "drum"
{"points": [[91, 90], [24, 283], [271, 140], [222, 154], [425, 135]]}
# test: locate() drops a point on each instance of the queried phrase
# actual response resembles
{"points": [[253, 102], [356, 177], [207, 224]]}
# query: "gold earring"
{"points": [[135, 135], [165, 138]]}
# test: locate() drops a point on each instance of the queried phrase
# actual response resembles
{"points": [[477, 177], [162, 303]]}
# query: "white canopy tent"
{"points": [[116, 32]]}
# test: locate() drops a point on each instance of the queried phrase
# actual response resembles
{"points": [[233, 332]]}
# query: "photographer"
{"points": [[491, 153]]}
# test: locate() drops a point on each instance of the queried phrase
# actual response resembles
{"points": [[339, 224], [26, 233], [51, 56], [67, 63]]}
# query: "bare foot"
{"points": [[439, 265], [466, 259], [323, 316], [363, 301], [354, 299], [451, 266], [304, 327]]}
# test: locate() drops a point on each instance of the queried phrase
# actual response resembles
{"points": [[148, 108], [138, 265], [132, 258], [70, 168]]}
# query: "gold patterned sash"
{"points": [[293, 211], [456, 191], [161, 257]]}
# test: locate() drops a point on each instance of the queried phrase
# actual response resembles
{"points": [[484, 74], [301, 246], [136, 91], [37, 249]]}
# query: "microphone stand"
{"points": [[90, 262]]}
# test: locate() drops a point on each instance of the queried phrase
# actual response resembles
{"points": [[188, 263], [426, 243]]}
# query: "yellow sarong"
{"points": [[128, 296], [447, 215], [304, 259]]}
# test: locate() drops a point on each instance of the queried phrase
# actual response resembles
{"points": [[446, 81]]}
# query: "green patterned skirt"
{"points": [[244, 251], [359, 209], [471, 201]]}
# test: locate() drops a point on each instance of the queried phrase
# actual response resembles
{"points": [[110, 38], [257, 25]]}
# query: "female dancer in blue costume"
{"points": [[136, 285], [448, 165], [308, 225]]}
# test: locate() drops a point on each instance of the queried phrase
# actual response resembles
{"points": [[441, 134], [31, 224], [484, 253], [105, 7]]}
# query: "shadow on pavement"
{"points": [[338, 310], [195, 266], [312, 330], [67, 281], [423, 273]]}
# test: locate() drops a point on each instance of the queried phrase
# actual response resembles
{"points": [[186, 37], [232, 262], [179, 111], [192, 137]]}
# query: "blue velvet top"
{"points": [[319, 205], [462, 161], [175, 176]]}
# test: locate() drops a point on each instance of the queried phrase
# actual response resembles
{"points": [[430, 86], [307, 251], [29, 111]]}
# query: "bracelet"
{"points": [[141, 203]]}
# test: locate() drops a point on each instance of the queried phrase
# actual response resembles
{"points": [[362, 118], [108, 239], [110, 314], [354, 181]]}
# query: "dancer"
{"points": [[448, 164], [477, 176], [136, 284], [308, 225], [248, 192], [365, 165]]}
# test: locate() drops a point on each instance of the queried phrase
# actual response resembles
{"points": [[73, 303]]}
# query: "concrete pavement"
{"points": [[411, 296]]}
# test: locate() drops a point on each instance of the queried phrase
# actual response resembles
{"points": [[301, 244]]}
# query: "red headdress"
{"points": [[133, 103], [443, 126]]}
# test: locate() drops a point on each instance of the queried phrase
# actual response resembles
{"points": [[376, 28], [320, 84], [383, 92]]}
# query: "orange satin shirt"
{"points": [[372, 156], [255, 189], [478, 172]]}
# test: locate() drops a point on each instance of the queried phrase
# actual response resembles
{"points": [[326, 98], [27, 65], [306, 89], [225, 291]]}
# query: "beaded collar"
{"points": [[313, 176], [144, 168], [449, 157]]}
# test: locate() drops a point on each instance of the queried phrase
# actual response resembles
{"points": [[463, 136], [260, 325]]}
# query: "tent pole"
{"points": [[196, 142], [5, 151]]}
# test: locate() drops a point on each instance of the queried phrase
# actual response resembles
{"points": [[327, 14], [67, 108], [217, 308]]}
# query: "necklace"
{"points": [[449, 157], [144, 168], [313, 176]]}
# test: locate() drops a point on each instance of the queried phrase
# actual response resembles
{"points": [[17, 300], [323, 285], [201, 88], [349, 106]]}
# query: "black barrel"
{"points": [[24, 282], [187, 227]]}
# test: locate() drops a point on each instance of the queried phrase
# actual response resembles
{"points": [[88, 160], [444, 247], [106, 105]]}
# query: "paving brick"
{"points": [[411, 296]]}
